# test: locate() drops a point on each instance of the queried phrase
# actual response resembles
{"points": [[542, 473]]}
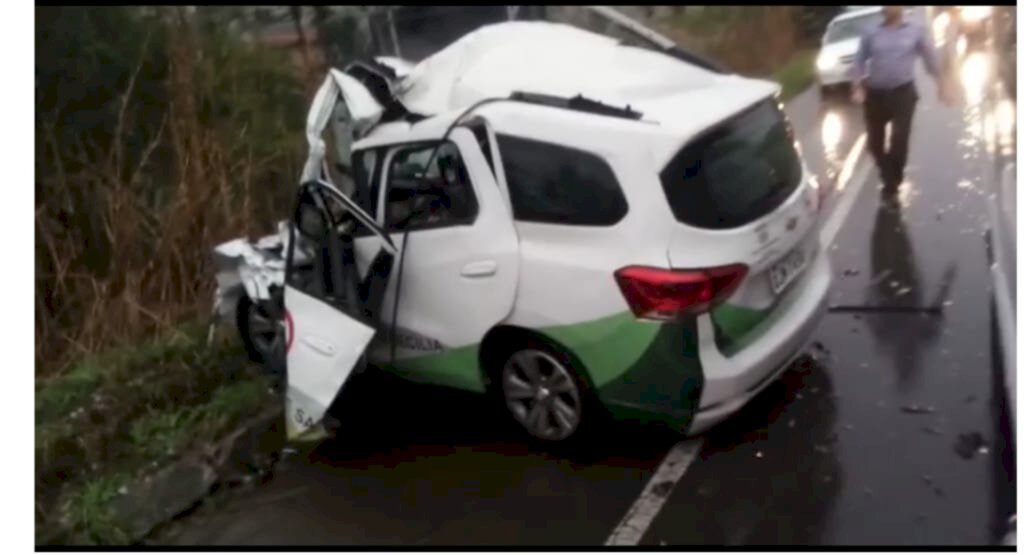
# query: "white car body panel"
{"points": [[457, 281], [324, 347], [835, 61], [841, 70]]}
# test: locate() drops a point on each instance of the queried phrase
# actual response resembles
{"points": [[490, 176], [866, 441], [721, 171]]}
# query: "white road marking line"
{"points": [[640, 516], [851, 180]]}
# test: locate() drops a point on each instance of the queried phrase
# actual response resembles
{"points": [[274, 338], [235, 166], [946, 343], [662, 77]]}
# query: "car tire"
{"points": [[541, 390], [261, 343]]}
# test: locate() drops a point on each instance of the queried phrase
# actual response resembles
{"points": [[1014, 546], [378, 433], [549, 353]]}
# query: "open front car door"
{"points": [[327, 318]]}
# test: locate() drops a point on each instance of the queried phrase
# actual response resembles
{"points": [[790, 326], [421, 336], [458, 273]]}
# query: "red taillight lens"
{"points": [[659, 294]]}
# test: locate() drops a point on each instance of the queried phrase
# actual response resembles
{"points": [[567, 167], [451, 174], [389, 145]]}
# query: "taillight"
{"points": [[659, 294]]}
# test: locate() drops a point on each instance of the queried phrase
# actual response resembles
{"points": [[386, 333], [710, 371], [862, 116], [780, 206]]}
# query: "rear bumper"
{"points": [[732, 382]]}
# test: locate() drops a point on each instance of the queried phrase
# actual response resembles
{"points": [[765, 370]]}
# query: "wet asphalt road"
{"points": [[866, 441]]}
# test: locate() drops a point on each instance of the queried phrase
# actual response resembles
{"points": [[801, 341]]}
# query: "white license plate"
{"points": [[785, 271]]}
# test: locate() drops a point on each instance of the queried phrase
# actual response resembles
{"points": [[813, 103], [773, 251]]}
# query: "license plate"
{"points": [[786, 270]]}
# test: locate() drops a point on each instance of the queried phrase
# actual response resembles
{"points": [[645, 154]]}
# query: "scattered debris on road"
{"points": [[968, 445]]}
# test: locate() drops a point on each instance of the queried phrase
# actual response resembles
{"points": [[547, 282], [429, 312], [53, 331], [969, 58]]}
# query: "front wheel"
{"points": [[544, 395]]}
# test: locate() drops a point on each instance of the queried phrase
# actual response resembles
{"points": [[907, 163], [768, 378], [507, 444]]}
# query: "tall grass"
{"points": [[160, 133], [752, 40]]}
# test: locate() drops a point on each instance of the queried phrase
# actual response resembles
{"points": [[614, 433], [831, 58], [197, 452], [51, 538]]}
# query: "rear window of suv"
{"points": [[736, 173]]}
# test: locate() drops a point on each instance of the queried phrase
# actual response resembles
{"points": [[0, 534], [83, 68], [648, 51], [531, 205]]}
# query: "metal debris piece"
{"points": [[759, 455], [917, 409], [983, 450], [851, 272], [879, 277], [903, 291]]}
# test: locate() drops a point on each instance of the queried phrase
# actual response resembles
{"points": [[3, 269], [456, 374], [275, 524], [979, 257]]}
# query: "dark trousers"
{"points": [[882, 107]]}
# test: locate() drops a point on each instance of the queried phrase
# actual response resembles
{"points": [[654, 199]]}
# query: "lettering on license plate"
{"points": [[783, 273]]}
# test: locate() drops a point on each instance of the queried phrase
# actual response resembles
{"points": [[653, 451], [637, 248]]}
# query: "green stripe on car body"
{"points": [[646, 370], [736, 326], [458, 368]]}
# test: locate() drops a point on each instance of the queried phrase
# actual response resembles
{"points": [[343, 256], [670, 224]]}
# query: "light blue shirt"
{"points": [[885, 59]]}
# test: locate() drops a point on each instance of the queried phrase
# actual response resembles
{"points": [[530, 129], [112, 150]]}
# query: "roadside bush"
{"points": [[159, 133], [755, 40]]}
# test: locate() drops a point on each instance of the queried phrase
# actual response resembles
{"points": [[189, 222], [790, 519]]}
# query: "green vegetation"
{"points": [[88, 511], [706, 20], [126, 411], [796, 75], [161, 131], [751, 40]]}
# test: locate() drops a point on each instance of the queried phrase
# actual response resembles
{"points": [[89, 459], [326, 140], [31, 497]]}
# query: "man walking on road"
{"points": [[884, 83]]}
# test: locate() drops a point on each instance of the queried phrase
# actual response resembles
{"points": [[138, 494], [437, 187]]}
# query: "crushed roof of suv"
{"points": [[547, 59]]}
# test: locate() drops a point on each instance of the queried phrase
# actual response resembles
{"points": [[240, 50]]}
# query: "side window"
{"points": [[554, 184], [419, 197]]}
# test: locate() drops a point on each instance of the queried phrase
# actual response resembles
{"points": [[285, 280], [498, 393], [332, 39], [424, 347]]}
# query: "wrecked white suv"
{"points": [[576, 226]]}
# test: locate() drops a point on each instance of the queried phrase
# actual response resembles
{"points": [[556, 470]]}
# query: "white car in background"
{"points": [[839, 48]]}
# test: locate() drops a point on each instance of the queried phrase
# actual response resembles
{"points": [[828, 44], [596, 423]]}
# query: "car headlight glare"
{"points": [[974, 14], [827, 61]]}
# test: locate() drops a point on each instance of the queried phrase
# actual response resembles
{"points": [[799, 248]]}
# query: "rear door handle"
{"points": [[483, 268]]}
